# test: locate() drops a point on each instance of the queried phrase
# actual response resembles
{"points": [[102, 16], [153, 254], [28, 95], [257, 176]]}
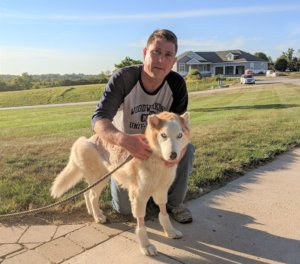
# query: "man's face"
{"points": [[159, 58]]}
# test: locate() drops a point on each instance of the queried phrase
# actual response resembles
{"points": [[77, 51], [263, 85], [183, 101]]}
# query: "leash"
{"points": [[38, 210]]}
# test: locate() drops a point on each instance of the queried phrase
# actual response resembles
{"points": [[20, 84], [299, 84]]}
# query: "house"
{"points": [[227, 62]]}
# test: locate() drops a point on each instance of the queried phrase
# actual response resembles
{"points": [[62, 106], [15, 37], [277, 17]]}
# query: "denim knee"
{"points": [[120, 199]]}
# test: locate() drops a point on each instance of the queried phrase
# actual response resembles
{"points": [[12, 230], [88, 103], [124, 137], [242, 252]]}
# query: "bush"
{"points": [[219, 77], [281, 64], [193, 75]]}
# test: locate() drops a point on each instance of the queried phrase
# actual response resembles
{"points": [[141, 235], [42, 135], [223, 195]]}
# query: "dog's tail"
{"points": [[64, 181], [71, 174]]}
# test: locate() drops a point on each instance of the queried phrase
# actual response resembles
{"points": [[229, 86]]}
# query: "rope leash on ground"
{"points": [[38, 210]]}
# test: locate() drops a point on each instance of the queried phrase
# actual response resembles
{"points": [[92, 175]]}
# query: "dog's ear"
{"points": [[154, 121], [186, 118]]}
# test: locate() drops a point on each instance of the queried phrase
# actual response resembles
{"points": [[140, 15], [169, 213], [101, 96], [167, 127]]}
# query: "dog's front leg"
{"points": [[164, 220], [138, 207], [141, 232]]}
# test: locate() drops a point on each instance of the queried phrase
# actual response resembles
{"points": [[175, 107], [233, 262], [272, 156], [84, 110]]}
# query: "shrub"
{"points": [[193, 75], [281, 64]]}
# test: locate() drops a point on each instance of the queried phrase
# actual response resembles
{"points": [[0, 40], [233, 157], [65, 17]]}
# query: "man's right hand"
{"points": [[137, 145]]}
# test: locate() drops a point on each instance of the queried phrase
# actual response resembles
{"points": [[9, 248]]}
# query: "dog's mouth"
{"points": [[172, 157]]}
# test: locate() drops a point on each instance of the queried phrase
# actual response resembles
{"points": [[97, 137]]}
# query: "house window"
{"points": [[181, 67], [251, 65], [231, 56]]}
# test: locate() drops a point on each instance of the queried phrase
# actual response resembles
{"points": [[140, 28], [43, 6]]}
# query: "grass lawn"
{"points": [[82, 93], [63, 94], [233, 131]]}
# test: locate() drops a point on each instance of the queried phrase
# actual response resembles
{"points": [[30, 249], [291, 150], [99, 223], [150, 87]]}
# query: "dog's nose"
{"points": [[173, 155]]}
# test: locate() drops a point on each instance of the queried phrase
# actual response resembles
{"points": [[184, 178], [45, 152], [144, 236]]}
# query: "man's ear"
{"points": [[175, 59], [186, 118], [154, 122], [145, 52]]}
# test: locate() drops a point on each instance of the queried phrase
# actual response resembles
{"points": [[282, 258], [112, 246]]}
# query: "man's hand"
{"points": [[137, 145]]}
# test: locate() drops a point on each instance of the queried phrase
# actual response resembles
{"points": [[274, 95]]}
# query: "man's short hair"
{"points": [[165, 34]]}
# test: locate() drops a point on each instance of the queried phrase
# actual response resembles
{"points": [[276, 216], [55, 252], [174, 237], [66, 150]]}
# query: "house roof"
{"points": [[192, 55], [221, 56]]}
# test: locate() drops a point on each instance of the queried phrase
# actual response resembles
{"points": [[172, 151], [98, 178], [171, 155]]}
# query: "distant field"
{"points": [[233, 131], [290, 74], [80, 93], [64, 94]]}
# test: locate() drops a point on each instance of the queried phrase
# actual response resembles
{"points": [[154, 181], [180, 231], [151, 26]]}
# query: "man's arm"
{"points": [[135, 144]]}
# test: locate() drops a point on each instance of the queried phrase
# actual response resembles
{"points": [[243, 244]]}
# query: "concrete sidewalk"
{"points": [[254, 219]]}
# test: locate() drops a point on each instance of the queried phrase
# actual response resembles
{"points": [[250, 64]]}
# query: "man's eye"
{"points": [[163, 135], [179, 135], [156, 52]]}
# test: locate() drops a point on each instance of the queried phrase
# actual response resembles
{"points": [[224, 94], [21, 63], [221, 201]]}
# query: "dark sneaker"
{"points": [[180, 214]]}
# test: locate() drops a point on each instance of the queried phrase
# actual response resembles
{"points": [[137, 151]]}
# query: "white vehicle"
{"points": [[247, 79], [271, 73]]}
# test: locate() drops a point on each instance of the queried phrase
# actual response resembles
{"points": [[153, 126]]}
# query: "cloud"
{"points": [[155, 16], [211, 44]]}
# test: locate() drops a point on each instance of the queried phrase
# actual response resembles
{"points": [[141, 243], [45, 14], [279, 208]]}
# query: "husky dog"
{"points": [[167, 134]]}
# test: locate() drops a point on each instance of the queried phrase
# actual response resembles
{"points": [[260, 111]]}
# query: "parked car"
{"points": [[247, 79]]}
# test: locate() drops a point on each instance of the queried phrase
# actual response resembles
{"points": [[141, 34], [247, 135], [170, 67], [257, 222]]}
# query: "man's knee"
{"points": [[186, 164], [121, 208], [120, 199], [190, 152]]}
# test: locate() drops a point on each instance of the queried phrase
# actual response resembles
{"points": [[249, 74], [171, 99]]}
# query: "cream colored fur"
{"points": [[167, 134]]}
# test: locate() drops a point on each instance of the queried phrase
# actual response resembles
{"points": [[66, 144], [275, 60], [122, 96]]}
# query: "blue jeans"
{"points": [[177, 191]]}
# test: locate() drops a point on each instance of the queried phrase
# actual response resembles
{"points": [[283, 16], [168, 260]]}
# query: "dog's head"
{"points": [[168, 134]]}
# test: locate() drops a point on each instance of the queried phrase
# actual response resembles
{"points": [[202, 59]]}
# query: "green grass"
{"points": [[208, 82], [290, 74], [81, 93], [64, 94], [239, 130], [233, 131]]}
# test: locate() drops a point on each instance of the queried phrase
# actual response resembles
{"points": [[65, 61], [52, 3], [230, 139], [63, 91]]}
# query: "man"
{"points": [[131, 95]]}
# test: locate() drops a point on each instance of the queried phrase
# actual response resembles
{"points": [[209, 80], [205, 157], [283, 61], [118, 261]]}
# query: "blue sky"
{"points": [[76, 36]]}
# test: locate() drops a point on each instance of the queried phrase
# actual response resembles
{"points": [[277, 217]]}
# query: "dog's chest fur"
{"points": [[153, 174]]}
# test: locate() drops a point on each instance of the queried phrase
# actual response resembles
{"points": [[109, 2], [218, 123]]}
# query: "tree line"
{"points": [[288, 61], [28, 81]]}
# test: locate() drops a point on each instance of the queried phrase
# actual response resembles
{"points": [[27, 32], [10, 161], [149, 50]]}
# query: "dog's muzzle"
{"points": [[173, 155]]}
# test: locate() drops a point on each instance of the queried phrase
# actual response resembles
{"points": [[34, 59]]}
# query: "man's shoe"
{"points": [[180, 214]]}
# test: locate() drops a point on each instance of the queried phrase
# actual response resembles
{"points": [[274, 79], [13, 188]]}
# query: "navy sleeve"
{"points": [[180, 94], [119, 85]]}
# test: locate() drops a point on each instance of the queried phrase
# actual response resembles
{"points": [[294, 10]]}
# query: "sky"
{"points": [[90, 36]]}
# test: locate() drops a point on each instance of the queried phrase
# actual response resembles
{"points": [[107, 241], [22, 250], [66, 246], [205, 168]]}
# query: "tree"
{"points": [[271, 63], [261, 55], [23, 82], [281, 64], [127, 62], [291, 60], [3, 85]]}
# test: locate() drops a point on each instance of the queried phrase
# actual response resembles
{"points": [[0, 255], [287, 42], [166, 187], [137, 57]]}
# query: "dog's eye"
{"points": [[163, 135], [179, 135]]}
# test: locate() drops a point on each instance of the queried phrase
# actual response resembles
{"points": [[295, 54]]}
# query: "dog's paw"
{"points": [[149, 250], [173, 233], [100, 219]]}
